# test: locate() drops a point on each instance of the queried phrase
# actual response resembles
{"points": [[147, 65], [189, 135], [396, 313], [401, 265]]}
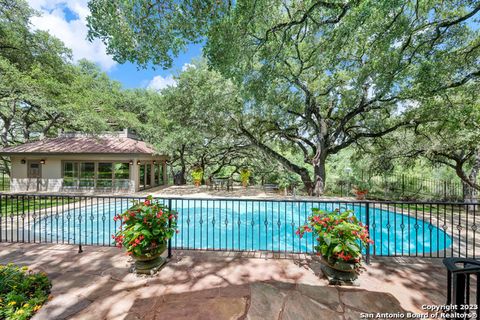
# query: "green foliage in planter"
{"points": [[245, 175], [22, 292], [197, 175], [145, 227], [339, 235], [361, 186]]}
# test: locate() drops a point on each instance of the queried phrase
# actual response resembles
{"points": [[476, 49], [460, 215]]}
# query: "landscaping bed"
{"points": [[22, 292]]}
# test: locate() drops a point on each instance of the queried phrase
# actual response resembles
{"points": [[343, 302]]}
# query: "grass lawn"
{"points": [[435, 209], [26, 205], [4, 183]]}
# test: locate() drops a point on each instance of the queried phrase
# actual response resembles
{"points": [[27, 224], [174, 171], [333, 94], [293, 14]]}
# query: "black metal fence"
{"points": [[4, 180], [401, 187], [425, 229]]}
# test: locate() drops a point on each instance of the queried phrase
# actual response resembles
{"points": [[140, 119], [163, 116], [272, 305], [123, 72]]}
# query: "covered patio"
{"points": [[76, 162], [96, 284]]}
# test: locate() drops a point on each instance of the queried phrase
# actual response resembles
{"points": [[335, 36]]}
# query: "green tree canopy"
{"points": [[193, 122], [315, 76], [42, 89]]}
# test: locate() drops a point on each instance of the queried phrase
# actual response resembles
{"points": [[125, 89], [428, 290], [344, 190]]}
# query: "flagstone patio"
{"points": [[96, 284]]}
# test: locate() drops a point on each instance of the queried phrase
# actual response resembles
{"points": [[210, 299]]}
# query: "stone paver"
{"points": [[235, 192], [299, 306], [96, 284], [328, 296], [370, 301], [214, 308], [266, 301]]}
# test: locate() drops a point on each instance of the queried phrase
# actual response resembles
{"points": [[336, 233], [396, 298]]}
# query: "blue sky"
{"points": [[66, 19], [131, 77]]}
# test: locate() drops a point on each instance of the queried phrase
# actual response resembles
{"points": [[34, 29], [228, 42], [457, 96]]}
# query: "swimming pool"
{"points": [[248, 225]]}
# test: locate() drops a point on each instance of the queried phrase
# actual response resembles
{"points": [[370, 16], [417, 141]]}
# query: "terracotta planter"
{"points": [[339, 272], [197, 183], [150, 261], [245, 184], [360, 195]]}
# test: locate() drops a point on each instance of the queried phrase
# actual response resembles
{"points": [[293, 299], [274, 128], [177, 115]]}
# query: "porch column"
{"points": [[164, 166], [152, 174], [134, 176]]}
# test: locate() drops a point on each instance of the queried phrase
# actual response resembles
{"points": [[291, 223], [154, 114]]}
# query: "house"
{"points": [[78, 162]]}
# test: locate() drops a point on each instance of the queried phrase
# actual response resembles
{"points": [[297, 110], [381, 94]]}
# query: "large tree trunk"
{"points": [[466, 177], [4, 132], [287, 164], [181, 180], [307, 182], [470, 193], [202, 166], [5, 165], [179, 177], [319, 173], [4, 142]]}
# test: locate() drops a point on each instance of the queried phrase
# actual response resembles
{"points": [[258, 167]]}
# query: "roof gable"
{"points": [[83, 143]]}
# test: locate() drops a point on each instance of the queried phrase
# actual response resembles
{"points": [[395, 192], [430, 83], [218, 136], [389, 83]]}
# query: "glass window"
{"points": [[160, 177], [87, 174], [70, 173], [141, 176], [104, 176], [159, 174], [148, 173], [156, 174], [121, 170], [122, 184]]}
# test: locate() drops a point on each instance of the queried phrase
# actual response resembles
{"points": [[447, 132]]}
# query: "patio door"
{"points": [[148, 175], [34, 175], [141, 176], [145, 176]]}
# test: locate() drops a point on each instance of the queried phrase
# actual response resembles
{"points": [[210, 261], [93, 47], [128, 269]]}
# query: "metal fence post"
{"points": [[169, 225], [444, 190], [367, 222]]}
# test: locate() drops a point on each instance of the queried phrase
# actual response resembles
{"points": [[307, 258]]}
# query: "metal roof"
{"points": [[118, 143]]}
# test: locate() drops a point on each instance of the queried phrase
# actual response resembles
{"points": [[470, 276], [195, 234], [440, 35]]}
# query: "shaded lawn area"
{"points": [[434, 209], [27, 205], [4, 183]]}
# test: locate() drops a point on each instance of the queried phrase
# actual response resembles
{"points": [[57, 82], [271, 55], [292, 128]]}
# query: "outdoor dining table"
{"points": [[222, 183]]}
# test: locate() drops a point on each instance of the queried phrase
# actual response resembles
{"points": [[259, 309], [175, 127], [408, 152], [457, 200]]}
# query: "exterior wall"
{"points": [[18, 175], [51, 172], [145, 160], [134, 175], [165, 175], [51, 178]]}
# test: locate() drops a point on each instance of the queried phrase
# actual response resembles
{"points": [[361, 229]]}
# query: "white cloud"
{"points": [[73, 32], [160, 82], [187, 66]]}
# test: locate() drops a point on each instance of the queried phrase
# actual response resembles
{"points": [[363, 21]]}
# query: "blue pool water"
{"points": [[247, 225]]}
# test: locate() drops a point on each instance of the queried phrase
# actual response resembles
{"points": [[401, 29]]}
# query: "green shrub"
{"points": [[339, 235], [197, 175], [146, 227], [245, 176], [22, 292]]}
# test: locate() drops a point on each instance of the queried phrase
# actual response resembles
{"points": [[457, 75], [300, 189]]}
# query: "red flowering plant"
{"points": [[145, 228], [339, 236]]}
